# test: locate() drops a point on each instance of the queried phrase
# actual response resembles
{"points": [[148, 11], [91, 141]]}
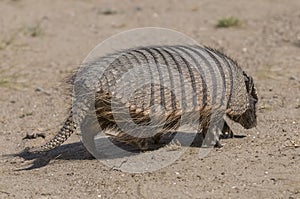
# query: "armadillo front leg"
{"points": [[214, 133], [211, 137], [226, 132]]}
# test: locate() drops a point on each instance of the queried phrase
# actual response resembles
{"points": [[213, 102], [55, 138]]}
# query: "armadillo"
{"points": [[176, 80]]}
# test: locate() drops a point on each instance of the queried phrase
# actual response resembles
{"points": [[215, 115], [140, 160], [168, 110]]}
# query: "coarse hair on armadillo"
{"points": [[181, 79]]}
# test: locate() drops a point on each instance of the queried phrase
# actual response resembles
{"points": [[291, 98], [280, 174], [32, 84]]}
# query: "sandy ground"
{"points": [[42, 42]]}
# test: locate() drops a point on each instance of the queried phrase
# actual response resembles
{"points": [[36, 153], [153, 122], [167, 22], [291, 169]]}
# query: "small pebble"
{"points": [[40, 89], [138, 8]]}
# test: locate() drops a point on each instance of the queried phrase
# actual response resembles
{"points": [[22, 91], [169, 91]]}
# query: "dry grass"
{"points": [[6, 41], [228, 22], [268, 72], [35, 30], [10, 38], [10, 80]]}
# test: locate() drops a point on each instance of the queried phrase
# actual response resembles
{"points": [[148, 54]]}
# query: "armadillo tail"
{"points": [[64, 133]]}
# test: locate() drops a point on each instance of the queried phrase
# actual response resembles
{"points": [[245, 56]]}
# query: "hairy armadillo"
{"points": [[176, 79]]}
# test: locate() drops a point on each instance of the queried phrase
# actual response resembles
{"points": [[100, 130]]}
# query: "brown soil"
{"points": [[42, 42]]}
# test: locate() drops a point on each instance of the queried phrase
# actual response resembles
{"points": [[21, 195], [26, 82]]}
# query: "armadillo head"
{"points": [[248, 118]]}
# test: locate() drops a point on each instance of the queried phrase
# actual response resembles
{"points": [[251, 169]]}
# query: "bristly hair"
{"points": [[221, 52]]}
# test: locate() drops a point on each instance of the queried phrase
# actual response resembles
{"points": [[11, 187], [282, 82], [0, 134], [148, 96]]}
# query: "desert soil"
{"points": [[42, 42]]}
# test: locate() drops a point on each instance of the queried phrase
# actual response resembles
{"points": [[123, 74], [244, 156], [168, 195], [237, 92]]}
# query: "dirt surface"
{"points": [[42, 42]]}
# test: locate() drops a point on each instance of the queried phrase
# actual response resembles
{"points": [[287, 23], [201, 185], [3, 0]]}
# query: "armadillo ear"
{"points": [[250, 86], [248, 82], [254, 93]]}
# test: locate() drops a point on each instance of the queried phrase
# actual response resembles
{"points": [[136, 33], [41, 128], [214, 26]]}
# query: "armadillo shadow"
{"points": [[77, 151], [72, 151]]}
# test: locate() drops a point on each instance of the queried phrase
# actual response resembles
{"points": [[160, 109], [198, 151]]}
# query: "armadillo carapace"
{"points": [[155, 86]]}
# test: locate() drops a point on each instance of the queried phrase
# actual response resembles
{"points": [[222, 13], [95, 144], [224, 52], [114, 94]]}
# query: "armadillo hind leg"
{"points": [[64, 133], [142, 144]]}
